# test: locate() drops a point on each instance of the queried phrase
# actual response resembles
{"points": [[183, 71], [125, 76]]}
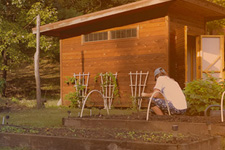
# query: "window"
{"points": [[114, 34], [99, 36], [125, 33]]}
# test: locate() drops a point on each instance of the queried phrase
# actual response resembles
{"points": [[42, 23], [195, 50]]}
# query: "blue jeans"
{"points": [[162, 105]]}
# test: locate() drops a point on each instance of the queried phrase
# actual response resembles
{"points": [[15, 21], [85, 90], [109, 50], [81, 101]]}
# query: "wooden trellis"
{"points": [[138, 82], [81, 85], [108, 88]]}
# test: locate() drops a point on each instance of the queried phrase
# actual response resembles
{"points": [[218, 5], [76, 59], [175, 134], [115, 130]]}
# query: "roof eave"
{"points": [[208, 5], [208, 19], [44, 29], [54, 29]]}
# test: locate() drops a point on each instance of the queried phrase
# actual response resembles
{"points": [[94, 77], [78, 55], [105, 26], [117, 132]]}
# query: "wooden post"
{"points": [[36, 65]]}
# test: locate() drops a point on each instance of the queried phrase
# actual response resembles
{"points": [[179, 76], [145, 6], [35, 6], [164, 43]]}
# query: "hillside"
{"points": [[21, 81]]}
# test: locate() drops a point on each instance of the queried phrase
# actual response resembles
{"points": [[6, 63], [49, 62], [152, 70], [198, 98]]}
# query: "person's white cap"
{"points": [[158, 70]]}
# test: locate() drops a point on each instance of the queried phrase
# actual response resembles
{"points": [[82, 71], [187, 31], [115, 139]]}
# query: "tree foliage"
{"points": [[217, 24], [16, 40], [80, 7], [17, 18]]}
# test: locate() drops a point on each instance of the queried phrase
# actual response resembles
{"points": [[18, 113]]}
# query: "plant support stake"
{"points": [[221, 107], [36, 64], [3, 120]]}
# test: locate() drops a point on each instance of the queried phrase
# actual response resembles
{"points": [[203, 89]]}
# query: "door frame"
{"points": [[199, 70]]}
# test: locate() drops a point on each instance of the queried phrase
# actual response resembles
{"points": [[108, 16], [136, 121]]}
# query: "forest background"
{"points": [[18, 44]]}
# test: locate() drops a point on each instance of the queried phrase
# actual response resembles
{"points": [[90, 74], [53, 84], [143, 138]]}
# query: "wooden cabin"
{"points": [[140, 36]]}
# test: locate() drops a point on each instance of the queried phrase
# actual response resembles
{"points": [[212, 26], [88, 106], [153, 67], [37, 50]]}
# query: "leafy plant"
{"points": [[75, 97], [33, 131], [106, 81], [202, 93], [134, 103], [70, 80], [15, 100], [12, 129]]}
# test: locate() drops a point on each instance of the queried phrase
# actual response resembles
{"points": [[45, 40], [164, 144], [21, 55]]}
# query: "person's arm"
{"points": [[146, 94], [150, 94]]}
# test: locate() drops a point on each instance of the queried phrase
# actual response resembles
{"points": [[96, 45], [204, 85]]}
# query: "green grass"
{"points": [[47, 117], [51, 116]]}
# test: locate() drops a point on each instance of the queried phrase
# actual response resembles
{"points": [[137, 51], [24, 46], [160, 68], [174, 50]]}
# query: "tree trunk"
{"points": [[36, 66], [4, 75]]}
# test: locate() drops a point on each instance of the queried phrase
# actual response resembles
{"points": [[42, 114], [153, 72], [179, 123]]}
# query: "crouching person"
{"points": [[172, 91]]}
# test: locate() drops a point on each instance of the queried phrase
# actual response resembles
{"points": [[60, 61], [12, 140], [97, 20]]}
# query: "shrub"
{"points": [[74, 97], [202, 93]]}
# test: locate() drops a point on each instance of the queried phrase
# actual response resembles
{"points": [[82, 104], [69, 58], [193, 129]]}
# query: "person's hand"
{"points": [[146, 94]]}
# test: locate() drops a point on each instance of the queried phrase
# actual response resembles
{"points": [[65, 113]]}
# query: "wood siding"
{"points": [[178, 19], [144, 53]]}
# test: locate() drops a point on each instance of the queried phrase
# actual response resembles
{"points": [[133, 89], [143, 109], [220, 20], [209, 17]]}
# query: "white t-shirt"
{"points": [[172, 91]]}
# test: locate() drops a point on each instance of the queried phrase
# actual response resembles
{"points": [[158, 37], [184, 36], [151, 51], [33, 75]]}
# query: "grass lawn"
{"points": [[51, 116], [48, 117]]}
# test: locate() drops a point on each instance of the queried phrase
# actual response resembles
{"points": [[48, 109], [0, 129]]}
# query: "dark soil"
{"points": [[172, 118]]}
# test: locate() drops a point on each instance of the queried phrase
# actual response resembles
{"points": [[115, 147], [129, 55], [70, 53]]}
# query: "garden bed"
{"points": [[152, 117], [106, 133], [105, 140], [117, 132], [137, 121]]}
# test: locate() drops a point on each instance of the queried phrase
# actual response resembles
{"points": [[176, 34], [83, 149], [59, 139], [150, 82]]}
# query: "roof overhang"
{"points": [[54, 29], [208, 10]]}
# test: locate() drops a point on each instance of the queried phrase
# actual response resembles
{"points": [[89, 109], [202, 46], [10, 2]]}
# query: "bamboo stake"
{"points": [[136, 85], [110, 95], [131, 84], [105, 101], [83, 78], [87, 83], [139, 89], [113, 89]]}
